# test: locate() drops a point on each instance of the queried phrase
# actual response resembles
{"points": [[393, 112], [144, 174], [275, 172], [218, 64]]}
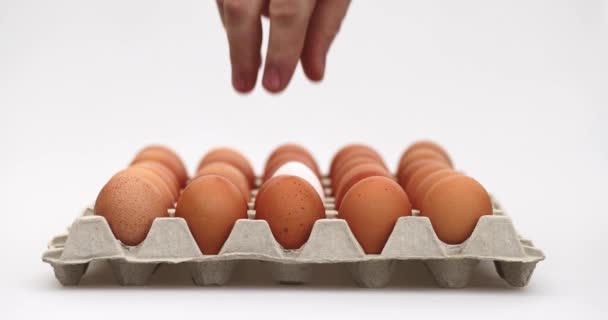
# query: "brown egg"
{"points": [[347, 151], [350, 163], [164, 173], [130, 203], [371, 209], [285, 157], [356, 154], [454, 205], [421, 154], [166, 157], [291, 206], [426, 144], [294, 148], [403, 176], [357, 174], [261, 190], [229, 172], [232, 157], [417, 176], [428, 182], [159, 183], [211, 205]]}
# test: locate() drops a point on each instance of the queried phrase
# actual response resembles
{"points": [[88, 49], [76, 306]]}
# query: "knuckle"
{"points": [[326, 37], [336, 27], [286, 10], [330, 31], [235, 7]]}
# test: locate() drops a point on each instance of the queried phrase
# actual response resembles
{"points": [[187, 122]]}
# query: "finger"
{"points": [[288, 24], [322, 29], [220, 8], [244, 30]]}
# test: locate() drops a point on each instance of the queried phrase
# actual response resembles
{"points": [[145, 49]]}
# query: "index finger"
{"points": [[244, 31]]}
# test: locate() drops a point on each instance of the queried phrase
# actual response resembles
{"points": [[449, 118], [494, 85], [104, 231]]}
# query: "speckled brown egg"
{"points": [[232, 157], [165, 174], [371, 209], [357, 174], [286, 157], [454, 205], [348, 164], [229, 172], [427, 183], [130, 203], [418, 175], [293, 148], [291, 206], [166, 157], [211, 205], [261, 191], [347, 152], [159, 183]]}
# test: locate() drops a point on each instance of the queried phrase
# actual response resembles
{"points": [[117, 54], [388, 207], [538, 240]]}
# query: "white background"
{"points": [[515, 90]]}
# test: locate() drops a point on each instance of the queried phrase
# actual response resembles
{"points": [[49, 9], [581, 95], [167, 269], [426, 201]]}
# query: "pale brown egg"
{"points": [[427, 183], [293, 148], [418, 175], [348, 164], [419, 154], [291, 206], [348, 151], [130, 203], [164, 173], [229, 172], [232, 157], [159, 183], [371, 209], [211, 205], [454, 205], [426, 144], [357, 174], [166, 157], [286, 157]]}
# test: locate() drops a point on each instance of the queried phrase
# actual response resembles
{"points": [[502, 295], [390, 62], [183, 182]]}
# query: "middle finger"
{"points": [[288, 25]]}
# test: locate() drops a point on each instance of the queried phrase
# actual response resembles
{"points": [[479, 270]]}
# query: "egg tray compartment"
{"points": [[331, 241]]}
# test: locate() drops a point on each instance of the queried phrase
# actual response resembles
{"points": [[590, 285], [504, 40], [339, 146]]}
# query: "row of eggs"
{"points": [[291, 197]]}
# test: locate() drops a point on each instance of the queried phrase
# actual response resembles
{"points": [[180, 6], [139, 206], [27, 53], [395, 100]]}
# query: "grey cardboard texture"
{"points": [[169, 241]]}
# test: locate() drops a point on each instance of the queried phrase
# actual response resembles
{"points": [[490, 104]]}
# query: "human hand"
{"points": [[300, 30]]}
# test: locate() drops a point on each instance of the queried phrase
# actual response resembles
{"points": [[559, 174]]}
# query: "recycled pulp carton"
{"points": [[331, 241]]}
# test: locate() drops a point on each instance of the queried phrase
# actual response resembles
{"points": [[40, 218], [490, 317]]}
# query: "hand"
{"points": [[299, 30]]}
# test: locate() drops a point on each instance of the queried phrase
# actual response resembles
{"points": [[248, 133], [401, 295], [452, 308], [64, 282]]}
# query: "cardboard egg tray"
{"points": [[331, 242]]}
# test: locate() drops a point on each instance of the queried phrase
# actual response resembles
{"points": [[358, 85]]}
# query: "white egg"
{"points": [[298, 169]]}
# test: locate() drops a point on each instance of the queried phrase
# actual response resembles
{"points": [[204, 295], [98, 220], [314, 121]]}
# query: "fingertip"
{"points": [[313, 62], [272, 79], [314, 71], [242, 82], [241, 87]]}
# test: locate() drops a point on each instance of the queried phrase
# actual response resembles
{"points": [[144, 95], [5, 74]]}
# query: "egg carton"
{"points": [[169, 241]]}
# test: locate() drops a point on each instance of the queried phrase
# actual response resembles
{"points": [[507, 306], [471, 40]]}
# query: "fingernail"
{"points": [[272, 79]]}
